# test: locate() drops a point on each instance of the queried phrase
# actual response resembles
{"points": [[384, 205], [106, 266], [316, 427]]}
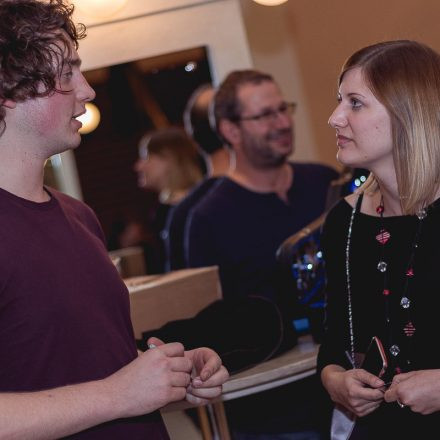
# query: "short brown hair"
{"points": [[404, 76], [226, 103], [33, 48]]}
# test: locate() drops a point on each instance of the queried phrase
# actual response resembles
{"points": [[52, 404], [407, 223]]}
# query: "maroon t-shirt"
{"points": [[64, 311]]}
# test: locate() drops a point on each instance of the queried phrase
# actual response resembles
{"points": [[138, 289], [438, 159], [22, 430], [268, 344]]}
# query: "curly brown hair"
{"points": [[35, 41]]}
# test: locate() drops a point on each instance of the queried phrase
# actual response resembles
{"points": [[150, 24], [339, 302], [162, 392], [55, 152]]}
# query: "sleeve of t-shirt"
{"points": [[92, 222], [83, 213]]}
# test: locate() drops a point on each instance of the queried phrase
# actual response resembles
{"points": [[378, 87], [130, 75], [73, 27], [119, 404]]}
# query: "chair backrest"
{"points": [[338, 187], [130, 261], [158, 299]]}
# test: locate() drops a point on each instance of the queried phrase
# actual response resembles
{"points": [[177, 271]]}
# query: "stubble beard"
{"points": [[262, 155]]}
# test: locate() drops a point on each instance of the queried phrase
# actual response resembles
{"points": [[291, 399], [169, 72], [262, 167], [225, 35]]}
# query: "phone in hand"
{"points": [[375, 360]]}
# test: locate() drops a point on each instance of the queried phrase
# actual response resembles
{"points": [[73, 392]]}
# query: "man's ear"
{"points": [[8, 103], [230, 131]]}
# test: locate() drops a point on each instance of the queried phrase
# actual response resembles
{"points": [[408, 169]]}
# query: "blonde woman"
{"points": [[170, 165], [382, 244]]}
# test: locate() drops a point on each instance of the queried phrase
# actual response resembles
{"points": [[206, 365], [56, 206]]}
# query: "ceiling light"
{"points": [[270, 2]]}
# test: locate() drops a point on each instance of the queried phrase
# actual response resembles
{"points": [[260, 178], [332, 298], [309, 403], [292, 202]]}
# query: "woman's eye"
{"points": [[355, 104]]}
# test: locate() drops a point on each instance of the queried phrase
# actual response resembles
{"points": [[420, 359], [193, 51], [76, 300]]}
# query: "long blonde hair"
{"points": [[404, 76]]}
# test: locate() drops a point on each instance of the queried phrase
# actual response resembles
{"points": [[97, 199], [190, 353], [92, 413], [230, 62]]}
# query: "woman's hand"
{"points": [[357, 390], [419, 390]]}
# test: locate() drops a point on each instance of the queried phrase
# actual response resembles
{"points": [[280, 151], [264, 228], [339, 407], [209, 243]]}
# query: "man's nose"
{"points": [[86, 93]]}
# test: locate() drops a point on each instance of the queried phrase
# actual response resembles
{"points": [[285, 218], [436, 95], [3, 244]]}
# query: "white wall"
{"points": [[144, 29], [149, 28]]}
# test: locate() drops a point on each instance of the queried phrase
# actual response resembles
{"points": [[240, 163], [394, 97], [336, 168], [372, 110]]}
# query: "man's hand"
{"points": [[207, 375], [155, 378]]}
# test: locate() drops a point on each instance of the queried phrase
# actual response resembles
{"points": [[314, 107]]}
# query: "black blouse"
{"points": [[368, 301]]}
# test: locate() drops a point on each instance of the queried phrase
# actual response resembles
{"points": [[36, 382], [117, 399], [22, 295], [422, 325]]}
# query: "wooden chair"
{"points": [[130, 261], [158, 299]]}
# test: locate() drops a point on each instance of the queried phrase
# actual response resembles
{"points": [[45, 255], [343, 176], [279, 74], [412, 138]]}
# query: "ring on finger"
{"points": [[400, 404]]}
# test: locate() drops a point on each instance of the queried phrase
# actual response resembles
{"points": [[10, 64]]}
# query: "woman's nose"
{"points": [[337, 118]]}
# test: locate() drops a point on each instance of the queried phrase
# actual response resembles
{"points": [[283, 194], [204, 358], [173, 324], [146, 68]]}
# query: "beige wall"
{"points": [[304, 42]]}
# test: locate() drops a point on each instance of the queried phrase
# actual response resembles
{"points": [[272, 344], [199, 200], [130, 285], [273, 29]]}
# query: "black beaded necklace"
{"points": [[409, 329]]}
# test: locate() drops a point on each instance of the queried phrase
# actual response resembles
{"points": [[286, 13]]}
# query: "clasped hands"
{"points": [[199, 372], [362, 392]]}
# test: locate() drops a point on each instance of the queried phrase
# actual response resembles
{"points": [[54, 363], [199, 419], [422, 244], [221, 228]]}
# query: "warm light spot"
{"points": [[270, 2], [90, 119]]}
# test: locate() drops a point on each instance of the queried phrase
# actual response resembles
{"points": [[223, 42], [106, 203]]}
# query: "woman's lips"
{"points": [[342, 140]]}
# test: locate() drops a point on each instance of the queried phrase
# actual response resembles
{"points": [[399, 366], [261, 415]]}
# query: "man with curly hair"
{"points": [[69, 364]]}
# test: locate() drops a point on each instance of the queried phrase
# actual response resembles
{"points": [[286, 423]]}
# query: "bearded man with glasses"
{"points": [[248, 213]]}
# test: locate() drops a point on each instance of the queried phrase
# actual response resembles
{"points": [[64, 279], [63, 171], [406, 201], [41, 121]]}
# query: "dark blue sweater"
{"points": [[240, 230]]}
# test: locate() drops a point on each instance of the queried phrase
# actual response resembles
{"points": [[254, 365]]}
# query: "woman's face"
{"points": [[363, 126], [152, 171]]}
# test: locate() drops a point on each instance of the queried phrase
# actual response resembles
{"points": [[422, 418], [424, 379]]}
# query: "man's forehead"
{"points": [[67, 47], [259, 94]]}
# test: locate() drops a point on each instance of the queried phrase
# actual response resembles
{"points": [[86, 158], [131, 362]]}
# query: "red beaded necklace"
{"points": [[383, 238]]}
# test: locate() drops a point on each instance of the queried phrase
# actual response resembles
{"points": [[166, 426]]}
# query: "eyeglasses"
{"points": [[268, 116]]}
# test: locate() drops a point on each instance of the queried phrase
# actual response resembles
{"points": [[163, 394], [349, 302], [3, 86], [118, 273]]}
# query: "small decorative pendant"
{"points": [[383, 236], [394, 350], [405, 302], [409, 329], [380, 209], [382, 266], [386, 292], [410, 272], [421, 214]]}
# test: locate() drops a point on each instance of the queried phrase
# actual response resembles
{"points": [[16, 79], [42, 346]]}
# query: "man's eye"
{"points": [[264, 115], [68, 74]]}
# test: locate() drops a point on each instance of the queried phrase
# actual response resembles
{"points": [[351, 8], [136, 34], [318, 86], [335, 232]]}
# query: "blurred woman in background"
{"points": [[170, 165]]}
